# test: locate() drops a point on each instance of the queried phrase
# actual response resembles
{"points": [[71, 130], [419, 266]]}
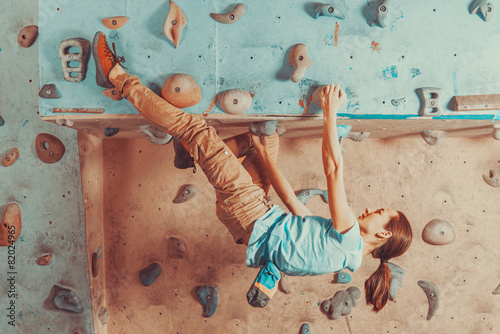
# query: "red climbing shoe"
{"points": [[104, 59]]}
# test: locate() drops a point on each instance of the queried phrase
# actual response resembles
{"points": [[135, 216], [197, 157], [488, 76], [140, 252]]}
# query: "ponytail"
{"points": [[378, 285]]}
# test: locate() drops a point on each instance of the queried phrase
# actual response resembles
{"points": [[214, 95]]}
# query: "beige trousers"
{"points": [[240, 188]]}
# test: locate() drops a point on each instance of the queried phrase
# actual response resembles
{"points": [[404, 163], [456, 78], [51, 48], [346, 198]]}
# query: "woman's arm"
{"points": [[278, 180], [332, 97]]}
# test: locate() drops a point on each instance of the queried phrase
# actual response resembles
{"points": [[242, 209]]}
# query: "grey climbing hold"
{"points": [[110, 132], [486, 8], [341, 303], [104, 315], [342, 278], [150, 273], [74, 73], [185, 193], [381, 14], [495, 134], [266, 128], [283, 284], [305, 328], [208, 295], [306, 194], [329, 11], [433, 138], [2, 121], [438, 232], [155, 135], [357, 136], [496, 291], [176, 247], [432, 293], [64, 122], [429, 101], [96, 264], [66, 300], [48, 91], [398, 102], [397, 274], [231, 17], [492, 179]]}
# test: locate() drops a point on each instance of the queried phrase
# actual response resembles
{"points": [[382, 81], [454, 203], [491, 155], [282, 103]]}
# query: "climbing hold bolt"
{"points": [[231, 17], [208, 295], [74, 73], [150, 273], [48, 91], [174, 23], [185, 193], [181, 90], [115, 22], [438, 232], [49, 148], [300, 61], [27, 36], [235, 101], [328, 10], [432, 293], [65, 299]]}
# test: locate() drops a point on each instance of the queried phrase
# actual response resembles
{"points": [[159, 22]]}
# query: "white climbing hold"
{"points": [[433, 138]]}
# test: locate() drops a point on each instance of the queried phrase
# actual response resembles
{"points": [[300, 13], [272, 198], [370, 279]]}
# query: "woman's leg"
{"points": [[239, 201]]}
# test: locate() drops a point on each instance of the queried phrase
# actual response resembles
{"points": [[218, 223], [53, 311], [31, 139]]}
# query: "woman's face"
{"points": [[373, 222]]}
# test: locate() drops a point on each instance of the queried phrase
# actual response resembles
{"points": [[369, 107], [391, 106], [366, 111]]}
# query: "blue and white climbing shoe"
{"points": [[265, 285]]}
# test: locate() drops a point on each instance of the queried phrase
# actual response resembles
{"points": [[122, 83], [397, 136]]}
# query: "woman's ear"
{"points": [[384, 234]]}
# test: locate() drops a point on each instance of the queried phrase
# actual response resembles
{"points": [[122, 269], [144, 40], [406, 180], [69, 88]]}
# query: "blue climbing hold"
{"points": [[305, 328], [110, 132], [149, 274], [209, 298], [342, 277]]}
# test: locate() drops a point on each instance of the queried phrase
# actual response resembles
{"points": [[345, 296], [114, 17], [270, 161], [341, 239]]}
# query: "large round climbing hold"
{"points": [[235, 101], [49, 148], [181, 91], [438, 232], [27, 36]]}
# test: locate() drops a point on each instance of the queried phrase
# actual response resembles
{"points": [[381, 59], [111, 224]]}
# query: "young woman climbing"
{"points": [[295, 243]]}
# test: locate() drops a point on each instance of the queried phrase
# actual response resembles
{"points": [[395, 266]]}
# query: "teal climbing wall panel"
{"points": [[425, 44]]}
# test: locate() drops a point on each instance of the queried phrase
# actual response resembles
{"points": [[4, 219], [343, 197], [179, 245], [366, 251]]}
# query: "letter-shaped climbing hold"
{"points": [[342, 278], [181, 91], [155, 135], [235, 101], [438, 232], [283, 284], [429, 101], [231, 17], [305, 328], [484, 7], [306, 194], [329, 11], [176, 247], [110, 132], [150, 273], [48, 91], [10, 157], [432, 293], [433, 138], [74, 73], [185, 193], [115, 22], [49, 148], [300, 61], [65, 299], [113, 94], [11, 225], [174, 23], [27, 36], [381, 14], [341, 303], [208, 295], [397, 274], [96, 264], [266, 128], [493, 179], [44, 260]]}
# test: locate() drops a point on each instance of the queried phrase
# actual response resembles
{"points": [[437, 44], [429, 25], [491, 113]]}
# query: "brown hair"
{"points": [[377, 286]]}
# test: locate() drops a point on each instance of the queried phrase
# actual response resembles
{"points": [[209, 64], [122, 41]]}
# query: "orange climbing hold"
{"points": [[44, 260], [115, 22], [181, 90], [11, 225], [10, 157], [174, 23]]}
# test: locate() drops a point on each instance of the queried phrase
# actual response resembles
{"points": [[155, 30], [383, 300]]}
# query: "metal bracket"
{"points": [[484, 7], [81, 57], [429, 101]]}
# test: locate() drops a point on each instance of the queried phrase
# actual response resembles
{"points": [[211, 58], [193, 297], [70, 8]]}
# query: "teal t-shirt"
{"points": [[303, 246]]}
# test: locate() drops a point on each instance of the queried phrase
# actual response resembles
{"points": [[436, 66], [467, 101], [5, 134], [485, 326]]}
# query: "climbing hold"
{"points": [[11, 225], [182, 159], [181, 90], [115, 22], [231, 17], [27, 36], [74, 73], [176, 247], [49, 148], [235, 101], [113, 94], [96, 264], [149, 274], [283, 284], [438, 232], [306, 194], [432, 293], [10, 157], [44, 260], [2, 121], [316, 97], [429, 101], [341, 303], [155, 135], [493, 179], [65, 299], [64, 122], [433, 138], [495, 134], [300, 61], [381, 14], [104, 315], [209, 298], [397, 274], [328, 10], [48, 91], [266, 128], [305, 329], [110, 132], [496, 291], [342, 278], [484, 7], [174, 23], [185, 193], [357, 136], [398, 102]]}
